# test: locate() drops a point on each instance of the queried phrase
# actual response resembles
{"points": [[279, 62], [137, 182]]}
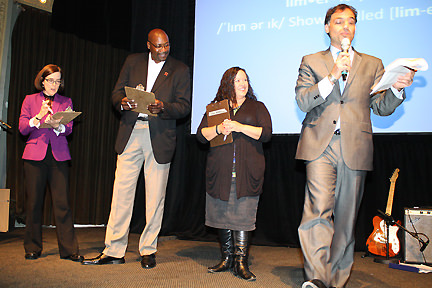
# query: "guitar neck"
{"points": [[391, 191], [390, 198]]}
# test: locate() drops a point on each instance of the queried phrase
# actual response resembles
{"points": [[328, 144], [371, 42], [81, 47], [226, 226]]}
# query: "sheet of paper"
{"points": [[398, 68], [141, 98]]}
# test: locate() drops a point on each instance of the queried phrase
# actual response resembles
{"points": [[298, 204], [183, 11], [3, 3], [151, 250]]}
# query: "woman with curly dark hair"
{"points": [[235, 171]]}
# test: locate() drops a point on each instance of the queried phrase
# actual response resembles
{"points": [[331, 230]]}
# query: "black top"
{"points": [[250, 162]]}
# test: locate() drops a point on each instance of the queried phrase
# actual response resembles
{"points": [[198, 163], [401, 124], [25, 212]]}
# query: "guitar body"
{"points": [[377, 241]]}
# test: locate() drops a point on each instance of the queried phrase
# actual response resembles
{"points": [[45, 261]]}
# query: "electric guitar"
{"points": [[377, 241]]}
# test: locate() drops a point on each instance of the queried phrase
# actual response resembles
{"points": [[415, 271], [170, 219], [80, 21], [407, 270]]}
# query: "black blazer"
{"points": [[172, 87]]}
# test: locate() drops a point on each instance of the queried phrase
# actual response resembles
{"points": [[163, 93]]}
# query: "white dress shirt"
{"points": [[153, 71]]}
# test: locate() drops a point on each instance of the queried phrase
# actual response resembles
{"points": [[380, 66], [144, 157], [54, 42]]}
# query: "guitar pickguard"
{"points": [[381, 236]]}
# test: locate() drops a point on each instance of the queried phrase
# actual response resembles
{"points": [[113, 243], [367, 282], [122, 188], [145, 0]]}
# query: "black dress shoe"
{"points": [[32, 255], [315, 283], [103, 259], [148, 261], [74, 257]]}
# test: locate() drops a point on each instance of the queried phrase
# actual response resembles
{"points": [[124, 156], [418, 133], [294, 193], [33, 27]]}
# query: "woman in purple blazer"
{"points": [[46, 160]]}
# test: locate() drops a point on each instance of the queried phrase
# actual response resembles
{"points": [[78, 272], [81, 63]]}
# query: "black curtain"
{"points": [[92, 56], [125, 24], [100, 21], [281, 204]]}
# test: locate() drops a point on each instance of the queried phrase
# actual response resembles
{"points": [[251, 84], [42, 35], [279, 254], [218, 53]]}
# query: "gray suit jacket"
{"points": [[172, 87], [353, 108]]}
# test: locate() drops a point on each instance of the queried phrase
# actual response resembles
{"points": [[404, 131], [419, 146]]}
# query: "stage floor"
{"points": [[180, 263]]}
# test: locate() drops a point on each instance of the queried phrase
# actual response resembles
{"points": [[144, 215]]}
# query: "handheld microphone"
{"points": [[345, 46]]}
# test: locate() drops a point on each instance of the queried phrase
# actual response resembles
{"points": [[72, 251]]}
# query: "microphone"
{"points": [[4, 125], [345, 46]]}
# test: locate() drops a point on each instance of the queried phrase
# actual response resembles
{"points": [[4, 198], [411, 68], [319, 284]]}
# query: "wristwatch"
{"points": [[332, 79]]}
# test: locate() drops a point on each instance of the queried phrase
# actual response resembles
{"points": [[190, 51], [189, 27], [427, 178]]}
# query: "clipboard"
{"points": [[141, 98], [216, 114], [67, 117]]}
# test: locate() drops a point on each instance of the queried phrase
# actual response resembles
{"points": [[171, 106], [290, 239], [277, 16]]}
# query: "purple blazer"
{"points": [[37, 142]]}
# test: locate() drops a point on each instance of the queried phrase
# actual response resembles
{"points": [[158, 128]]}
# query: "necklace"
{"points": [[236, 109]]}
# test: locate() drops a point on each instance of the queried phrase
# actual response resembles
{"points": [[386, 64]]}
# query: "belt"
{"points": [[142, 118], [337, 132]]}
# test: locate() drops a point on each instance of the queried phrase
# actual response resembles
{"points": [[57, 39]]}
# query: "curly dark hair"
{"points": [[45, 72], [226, 88]]}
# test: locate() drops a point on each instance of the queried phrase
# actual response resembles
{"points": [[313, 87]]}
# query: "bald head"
{"points": [[158, 44]]}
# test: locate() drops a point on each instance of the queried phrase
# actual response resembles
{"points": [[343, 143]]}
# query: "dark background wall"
{"points": [[90, 40]]}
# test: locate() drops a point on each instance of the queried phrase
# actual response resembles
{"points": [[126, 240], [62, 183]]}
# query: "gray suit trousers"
{"points": [[332, 199]]}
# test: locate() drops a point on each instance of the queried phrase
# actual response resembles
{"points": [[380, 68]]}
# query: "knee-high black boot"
{"points": [[227, 250], [241, 265]]}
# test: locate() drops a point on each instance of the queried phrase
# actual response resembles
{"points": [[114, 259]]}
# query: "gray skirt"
{"points": [[234, 214]]}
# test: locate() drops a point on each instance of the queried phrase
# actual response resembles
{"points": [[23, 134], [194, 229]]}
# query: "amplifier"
{"points": [[418, 220]]}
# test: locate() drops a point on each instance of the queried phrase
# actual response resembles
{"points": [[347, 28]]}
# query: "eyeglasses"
{"points": [[52, 81], [160, 46]]}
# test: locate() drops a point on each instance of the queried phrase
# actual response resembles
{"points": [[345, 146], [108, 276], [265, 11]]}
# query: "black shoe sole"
{"points": [[32, 256], [117, 261]]}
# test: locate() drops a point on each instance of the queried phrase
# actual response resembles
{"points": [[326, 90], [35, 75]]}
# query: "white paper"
{"points": [[422, 268], [398, 68], [217, 112]]}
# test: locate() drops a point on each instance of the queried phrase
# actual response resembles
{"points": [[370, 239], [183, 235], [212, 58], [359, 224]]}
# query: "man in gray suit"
{"points": [[145, 140], [336, 144]]}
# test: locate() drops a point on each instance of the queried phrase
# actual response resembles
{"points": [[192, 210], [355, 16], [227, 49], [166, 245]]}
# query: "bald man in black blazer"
{"points": [[172, 88], [145, 140]]}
